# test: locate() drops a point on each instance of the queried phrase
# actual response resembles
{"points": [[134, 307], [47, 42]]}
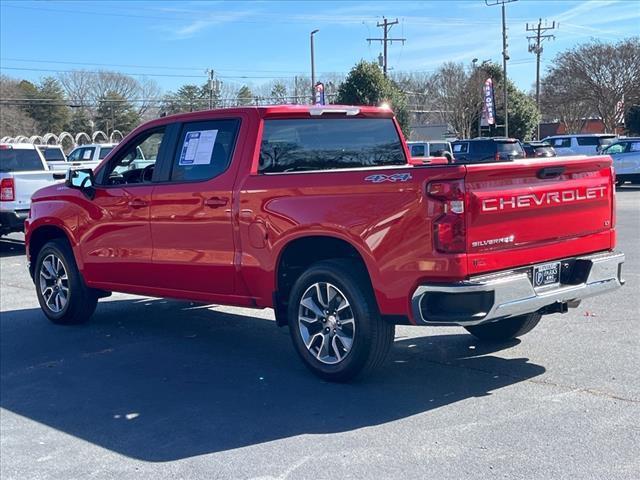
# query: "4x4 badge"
{"points": [[396, 177]]}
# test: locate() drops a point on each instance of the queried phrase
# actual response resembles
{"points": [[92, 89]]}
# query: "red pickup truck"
{"points": [[319, 213]]}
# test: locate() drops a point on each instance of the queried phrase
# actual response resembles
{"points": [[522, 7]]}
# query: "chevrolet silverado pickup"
{"points": [[318, 213]]}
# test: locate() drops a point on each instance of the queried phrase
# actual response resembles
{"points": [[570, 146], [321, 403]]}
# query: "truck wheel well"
{"points": [[299, 255], [39, 238]]}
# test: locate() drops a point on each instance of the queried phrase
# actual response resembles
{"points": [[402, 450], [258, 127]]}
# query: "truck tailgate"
{"points": [[26, 184], [530, 211]]}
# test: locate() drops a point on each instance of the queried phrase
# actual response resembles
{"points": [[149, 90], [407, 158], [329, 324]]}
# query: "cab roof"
{"points": [[293, 110]]}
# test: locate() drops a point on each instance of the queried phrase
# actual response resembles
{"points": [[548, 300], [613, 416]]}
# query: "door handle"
{"points": [[137, 203], [215, 202]]}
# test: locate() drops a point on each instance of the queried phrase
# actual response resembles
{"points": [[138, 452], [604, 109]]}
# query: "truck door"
{"points": [[116, 242], [191, 212]]}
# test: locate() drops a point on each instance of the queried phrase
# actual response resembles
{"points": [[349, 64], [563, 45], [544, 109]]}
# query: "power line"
{"points": [[386, 26], [160, 67], [505, 57], [143, 74]]}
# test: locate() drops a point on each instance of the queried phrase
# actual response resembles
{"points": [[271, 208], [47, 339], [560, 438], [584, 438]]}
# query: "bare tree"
{"points": [[562, 100], [149, 94], [455, 90], [602, 74]]}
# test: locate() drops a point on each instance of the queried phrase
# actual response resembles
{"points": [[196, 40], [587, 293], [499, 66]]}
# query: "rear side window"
{"points": [[588, 141], [104, 151], [53, 154], [19, 160], [417, 151], [328, 144], [509, 149], [204, 150]]}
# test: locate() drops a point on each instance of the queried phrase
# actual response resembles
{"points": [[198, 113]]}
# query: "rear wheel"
{"points": [[506, 329], [62, 294], [334, 321]]}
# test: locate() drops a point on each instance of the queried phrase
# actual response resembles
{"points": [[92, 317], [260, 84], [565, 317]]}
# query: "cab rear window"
{"points": [[296, 145], [20, 160]]}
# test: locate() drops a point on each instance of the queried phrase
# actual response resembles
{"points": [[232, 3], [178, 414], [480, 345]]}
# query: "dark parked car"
{"points": [[484, 150], [538, 149]]}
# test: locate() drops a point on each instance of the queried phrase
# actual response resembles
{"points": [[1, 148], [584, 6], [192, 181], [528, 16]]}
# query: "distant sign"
{"points": [[488, 104], [319, 93]]}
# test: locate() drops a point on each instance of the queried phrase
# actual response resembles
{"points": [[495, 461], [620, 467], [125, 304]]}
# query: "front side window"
{"points": [[615, 148], [136, 163], [298, 145], [204, 150], [87, 154], [438, 149], [634, 147], [562, 142], [460, 147], [75, 155]]}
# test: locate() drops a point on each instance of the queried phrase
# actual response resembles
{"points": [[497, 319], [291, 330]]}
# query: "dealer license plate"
{"points": [[546, 274]]}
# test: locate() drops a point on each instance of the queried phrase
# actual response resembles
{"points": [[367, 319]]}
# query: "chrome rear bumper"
{"points": [[507, 294]]}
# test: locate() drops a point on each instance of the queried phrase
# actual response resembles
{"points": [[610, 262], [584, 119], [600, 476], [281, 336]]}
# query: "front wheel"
{"points": [[334, 321], [506, 329], [62, 294]]}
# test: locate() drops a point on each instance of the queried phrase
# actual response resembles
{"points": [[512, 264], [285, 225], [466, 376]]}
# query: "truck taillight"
{"points": [[7, 190], [449, 231]]}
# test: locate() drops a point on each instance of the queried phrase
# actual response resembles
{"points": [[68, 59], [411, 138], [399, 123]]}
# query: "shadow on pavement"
{"points": [[10, 247], [160, 380]]}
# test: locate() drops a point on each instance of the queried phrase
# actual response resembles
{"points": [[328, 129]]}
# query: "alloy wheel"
{"points": [[54, 283], [326, 323]]}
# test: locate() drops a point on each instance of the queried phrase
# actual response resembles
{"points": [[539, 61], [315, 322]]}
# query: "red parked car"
{"points": [[317, 212]]}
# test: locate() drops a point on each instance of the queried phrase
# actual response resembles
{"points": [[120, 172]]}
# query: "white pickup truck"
{"points": [[83, 156], [23, 170]]}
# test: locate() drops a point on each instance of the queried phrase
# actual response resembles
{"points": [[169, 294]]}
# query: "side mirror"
{"points": [[83, 180]]}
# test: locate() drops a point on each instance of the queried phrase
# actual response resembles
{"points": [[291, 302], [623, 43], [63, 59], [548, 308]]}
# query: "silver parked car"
{"points": [[626, 159]]}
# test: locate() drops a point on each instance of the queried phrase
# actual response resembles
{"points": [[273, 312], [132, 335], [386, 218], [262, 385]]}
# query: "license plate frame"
{"points": [[546, 275]]}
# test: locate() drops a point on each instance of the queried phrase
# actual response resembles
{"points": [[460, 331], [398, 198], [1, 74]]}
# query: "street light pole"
{"points": [[313, 67]]}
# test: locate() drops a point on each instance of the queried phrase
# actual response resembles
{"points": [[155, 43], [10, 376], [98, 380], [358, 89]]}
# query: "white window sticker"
{"points": [[86, 155], [197, 148]]}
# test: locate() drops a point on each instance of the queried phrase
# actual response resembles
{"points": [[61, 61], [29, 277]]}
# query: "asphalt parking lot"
{"points": [[152, 388]]}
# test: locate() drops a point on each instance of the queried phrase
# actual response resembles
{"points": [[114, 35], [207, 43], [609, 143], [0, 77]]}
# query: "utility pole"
{"points": [[386, 25], [505, 57], [313, 68], [210, 72], [536, 47]]}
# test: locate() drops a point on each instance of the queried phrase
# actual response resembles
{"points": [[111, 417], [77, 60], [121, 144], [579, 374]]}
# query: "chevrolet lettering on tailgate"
{"points": [[545, 198]]}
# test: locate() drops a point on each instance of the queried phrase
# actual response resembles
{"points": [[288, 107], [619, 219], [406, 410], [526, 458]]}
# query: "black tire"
{"points": [[80, 300], [506, 329], [371, 335]]}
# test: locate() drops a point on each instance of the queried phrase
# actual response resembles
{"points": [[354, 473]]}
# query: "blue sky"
{"points": [[173, 42]]}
